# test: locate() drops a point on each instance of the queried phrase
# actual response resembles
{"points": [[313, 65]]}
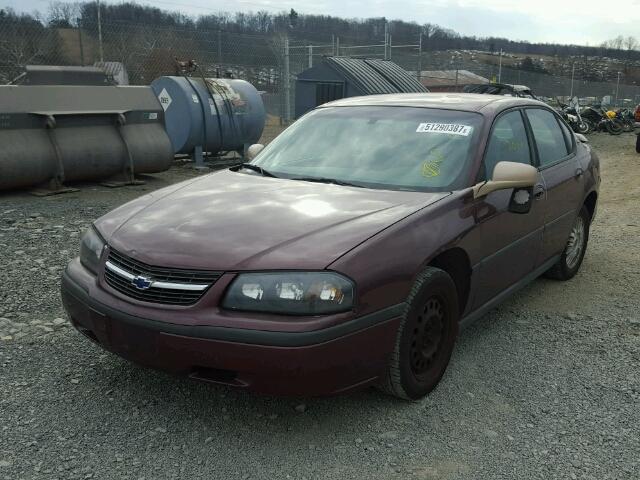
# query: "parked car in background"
{"points": [[521, 91], [348, 252]]}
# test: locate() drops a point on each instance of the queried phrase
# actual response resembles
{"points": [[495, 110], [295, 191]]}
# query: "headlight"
{"points": [[91, 247], [290, 293]]}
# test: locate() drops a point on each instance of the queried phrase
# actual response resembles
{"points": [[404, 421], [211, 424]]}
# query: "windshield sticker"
{"points": [[450, 128], [431, 168]]}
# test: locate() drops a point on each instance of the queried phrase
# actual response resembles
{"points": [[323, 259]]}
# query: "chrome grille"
{"points": [[174, 286]]}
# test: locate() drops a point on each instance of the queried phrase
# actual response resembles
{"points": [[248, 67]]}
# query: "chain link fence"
{"points": [[543, 85], [269, 62], [145, 52]]}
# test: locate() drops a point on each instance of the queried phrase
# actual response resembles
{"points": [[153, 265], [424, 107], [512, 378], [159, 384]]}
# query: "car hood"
{"points": [[237, 221]]}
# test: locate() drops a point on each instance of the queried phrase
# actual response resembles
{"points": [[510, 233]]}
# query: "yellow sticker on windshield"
{"points": [[431, 168]]}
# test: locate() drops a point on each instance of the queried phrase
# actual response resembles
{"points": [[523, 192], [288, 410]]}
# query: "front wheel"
{"points": [[582, 127], [425, 338], [569, 262]]}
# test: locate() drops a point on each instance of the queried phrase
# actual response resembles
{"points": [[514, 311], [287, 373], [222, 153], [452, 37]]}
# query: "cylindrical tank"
{"points": [[71, 133], [212, 113]]}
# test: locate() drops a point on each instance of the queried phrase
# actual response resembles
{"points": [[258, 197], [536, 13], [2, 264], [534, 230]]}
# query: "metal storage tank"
{"points": [[210, 114], [52, 134]]}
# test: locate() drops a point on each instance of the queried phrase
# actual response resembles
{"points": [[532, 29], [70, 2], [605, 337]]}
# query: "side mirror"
{"points": [[254, 150], [507, 175], [581, 138]]}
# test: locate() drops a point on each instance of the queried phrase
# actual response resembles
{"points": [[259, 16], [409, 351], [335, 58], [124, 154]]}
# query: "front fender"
{"points": [[386, 265]]}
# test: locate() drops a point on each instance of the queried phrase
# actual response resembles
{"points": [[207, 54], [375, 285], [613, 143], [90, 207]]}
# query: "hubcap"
{"points": [[576, 243], [428, 335]]}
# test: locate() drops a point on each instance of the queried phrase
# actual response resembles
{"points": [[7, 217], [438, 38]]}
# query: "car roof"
{"points": [[470, 102]]}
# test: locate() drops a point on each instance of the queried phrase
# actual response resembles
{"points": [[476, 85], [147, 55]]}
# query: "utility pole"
{"points": [[573, 74], [333, 43], [337, 46], [310, 56], [617, 88], [287, 87], [389, 47], [81, 46], [500, 68], [386, 39], [100, 32], [219, 47], [419, 73]]}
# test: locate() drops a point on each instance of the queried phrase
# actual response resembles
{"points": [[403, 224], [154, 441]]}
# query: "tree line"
{"points": [[147, 39], [313, 28]]}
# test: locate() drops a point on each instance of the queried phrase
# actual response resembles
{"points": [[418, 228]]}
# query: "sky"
{"points": [[582, 22]]}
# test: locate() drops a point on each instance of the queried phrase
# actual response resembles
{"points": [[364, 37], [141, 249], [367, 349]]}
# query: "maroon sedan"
{"points": [[349, 252]]}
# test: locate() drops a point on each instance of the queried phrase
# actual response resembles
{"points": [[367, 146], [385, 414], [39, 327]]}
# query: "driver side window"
{"points": [[508, 143]]}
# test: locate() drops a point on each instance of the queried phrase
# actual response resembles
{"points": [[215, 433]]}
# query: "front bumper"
{"points": [[319, 362]]}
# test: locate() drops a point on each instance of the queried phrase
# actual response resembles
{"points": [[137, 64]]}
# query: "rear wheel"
{"points": [[569, 262], [613, 127], [589, 125], [425, 338]]}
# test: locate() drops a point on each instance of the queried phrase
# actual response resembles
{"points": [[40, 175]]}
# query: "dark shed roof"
{"points": [[373, 76]]}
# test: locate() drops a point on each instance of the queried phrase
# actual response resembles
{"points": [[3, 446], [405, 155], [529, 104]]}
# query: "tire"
{"points": [[627, 126], [614, 128], [569, 262], [583, 127], [419, 359], [590, 125]]}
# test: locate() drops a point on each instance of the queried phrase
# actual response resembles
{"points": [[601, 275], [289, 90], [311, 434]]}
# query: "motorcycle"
{"points": [[626, 119], [601, 121], [572, 116]]}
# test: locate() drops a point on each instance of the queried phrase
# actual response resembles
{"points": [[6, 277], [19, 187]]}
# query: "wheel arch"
{"points": [[591, 203], [455, 261]]}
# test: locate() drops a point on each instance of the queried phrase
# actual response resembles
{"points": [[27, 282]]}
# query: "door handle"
{"points": [[538, 192]]}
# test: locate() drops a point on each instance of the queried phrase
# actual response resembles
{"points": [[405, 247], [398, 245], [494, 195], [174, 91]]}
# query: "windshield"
{"points": [[399, 148]]}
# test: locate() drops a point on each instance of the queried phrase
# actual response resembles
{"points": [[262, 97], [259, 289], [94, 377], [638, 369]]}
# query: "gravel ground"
{"points": [[547, 386]]}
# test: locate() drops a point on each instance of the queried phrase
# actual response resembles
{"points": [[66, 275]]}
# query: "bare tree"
{"points": [[24, 41], [630, 43], [62, 14]]}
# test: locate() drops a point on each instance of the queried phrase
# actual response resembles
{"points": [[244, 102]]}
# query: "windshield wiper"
{"points": [[256, 168], [333, 181]]}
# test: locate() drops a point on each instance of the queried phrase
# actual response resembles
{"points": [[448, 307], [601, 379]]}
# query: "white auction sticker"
{"points": [[450, 128]]}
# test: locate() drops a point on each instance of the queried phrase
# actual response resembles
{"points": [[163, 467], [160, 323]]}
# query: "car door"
{"points": [[510, 241], [562, 176]]}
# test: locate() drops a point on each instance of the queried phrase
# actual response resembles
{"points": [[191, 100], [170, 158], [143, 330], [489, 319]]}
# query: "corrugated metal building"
{"points": [[341, 77]]}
